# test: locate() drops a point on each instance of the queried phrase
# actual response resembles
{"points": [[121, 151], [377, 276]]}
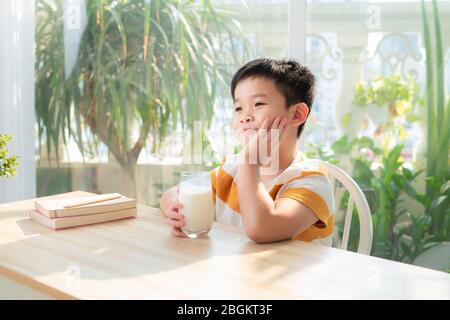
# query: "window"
{"points": [[122, 86], [370, 115], [110, 73]]}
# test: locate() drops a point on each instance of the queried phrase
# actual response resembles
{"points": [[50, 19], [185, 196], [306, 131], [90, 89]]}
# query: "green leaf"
{"points": [[407, 173], [8, 164], [345, 120], [410, 191], [341, 145], [412, 117], [406, 249], [365, 142], [423, 199], [424, 221], [438, 201], [445, 188], [363, 172]]}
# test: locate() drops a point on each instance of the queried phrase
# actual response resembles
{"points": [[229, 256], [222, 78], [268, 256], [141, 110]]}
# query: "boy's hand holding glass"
{"points": [[174, 217], [196, 197], [191, 212]]}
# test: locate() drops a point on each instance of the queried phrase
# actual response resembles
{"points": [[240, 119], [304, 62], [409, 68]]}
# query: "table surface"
{"points": [[138, 259]]}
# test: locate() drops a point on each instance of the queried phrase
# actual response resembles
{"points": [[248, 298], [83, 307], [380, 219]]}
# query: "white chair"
{"points": [[356, 198]]}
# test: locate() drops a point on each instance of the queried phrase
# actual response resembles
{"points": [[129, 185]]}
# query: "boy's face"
{"points": [[255, 99]]}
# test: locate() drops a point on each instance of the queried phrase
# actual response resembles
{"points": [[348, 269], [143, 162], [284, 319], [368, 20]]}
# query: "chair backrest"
{"points": [[356, 198]]}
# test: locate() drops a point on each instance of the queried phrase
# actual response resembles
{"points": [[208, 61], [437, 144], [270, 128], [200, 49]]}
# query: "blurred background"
{"points": [[103, 96]]}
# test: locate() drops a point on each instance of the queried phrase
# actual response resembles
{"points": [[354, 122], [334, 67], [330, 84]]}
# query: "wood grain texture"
{"points": [[138, 259]]}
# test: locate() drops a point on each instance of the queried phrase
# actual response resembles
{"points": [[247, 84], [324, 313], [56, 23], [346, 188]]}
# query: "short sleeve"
{"points": [[315, 192], [213, 174]]}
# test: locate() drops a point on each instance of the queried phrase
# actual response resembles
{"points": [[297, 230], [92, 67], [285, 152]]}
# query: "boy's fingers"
{"points": [[262, 133], [266, 123], [173, 213], [175, 223], [172, 204], [178, 233], [276, 123], [283, 125], [175, 204]]}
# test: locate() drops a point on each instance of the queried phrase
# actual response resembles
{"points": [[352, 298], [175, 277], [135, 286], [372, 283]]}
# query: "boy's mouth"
{"points": [[248, 131]]}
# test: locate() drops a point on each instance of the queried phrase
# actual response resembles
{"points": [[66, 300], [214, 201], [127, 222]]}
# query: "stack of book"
{"points": [[82, 208]]}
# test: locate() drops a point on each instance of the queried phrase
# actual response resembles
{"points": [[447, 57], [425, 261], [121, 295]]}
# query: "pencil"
{"points": [[94, 200]]}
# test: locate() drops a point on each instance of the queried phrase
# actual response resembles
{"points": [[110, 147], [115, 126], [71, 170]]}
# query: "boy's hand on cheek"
{"points": [[269, 135]]}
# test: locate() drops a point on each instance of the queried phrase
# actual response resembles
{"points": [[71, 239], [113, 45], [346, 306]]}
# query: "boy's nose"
{"points": [[247, 118]]}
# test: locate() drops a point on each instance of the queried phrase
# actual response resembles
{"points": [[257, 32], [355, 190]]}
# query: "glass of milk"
{"points": [[196, 197]]}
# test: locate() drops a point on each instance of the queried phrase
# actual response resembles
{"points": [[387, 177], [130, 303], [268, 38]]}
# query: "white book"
{"points": [[74, 221], [60, 206]]}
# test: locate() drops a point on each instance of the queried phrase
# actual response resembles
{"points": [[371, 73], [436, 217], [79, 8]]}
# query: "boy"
{"points": [[272, 100]]}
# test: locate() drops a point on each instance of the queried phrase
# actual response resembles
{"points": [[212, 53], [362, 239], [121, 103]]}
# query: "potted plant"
{"points": [[8, 164], [385, 98], [144, 70]]}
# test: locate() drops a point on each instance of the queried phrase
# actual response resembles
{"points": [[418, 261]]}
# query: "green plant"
{"points": [[418, 235], [386, 181], [438, 111], [438, 206], [8, 164], [393, 92], [318, 152], [144, 69], [392, 180], [398, 99]]}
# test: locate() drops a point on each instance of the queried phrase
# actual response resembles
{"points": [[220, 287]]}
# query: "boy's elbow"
{"points": [[256, 228], [257, 235], [264, 233], [258, 238]]}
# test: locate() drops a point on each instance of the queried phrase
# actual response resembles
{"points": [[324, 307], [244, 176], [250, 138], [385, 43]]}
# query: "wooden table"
{"points": [[138, 259]]}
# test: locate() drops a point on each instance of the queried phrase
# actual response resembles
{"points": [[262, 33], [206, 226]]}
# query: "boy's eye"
{"points": [[259, 104], [237, 109]]}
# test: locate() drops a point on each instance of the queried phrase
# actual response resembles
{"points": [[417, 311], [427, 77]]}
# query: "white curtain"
{"points": [[17, 95]]}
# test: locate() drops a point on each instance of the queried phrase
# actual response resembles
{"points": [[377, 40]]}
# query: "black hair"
{"points": [[295, 81]]}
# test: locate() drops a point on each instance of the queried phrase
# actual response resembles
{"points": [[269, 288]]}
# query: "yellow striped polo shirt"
{"points": [[303, 181]]}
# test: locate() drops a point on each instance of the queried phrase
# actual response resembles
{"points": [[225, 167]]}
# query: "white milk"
{"points": [[198, 209]]}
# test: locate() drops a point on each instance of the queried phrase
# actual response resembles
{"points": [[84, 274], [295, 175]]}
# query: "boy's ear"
{"points": [[299, 113]]}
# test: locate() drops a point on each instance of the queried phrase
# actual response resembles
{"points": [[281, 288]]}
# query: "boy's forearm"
{"points": [[255, 203]]}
